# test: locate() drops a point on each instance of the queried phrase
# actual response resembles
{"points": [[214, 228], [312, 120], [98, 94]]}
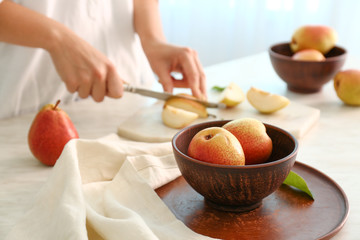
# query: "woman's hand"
{"points": [[84, 69], [166, 59]]}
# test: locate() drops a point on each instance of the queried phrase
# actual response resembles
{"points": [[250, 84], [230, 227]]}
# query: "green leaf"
{"points": [[218, 88], [295, 180]]}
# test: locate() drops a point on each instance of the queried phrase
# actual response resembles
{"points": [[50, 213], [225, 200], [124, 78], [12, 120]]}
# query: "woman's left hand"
{"points": [[166, 59]]}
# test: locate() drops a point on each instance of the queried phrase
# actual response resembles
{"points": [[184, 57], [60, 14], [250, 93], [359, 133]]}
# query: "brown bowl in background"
{"points": [[235, 188], [305, 76]]}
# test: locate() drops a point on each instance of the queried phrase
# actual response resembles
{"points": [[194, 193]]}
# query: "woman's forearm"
{"points": [[24, 27], [83, 68], [165, 58], [147, 22]]}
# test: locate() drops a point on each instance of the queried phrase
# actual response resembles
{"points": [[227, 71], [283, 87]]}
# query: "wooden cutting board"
{"points": [[146, 124]]}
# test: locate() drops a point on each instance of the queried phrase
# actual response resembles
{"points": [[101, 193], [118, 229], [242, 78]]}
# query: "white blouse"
{"points": [[28, 79]]}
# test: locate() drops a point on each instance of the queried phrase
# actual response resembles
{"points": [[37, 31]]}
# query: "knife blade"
{"points": [[165, 96]]}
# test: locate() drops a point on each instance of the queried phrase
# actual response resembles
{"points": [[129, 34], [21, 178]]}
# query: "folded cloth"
{"points": [[104, 189]]}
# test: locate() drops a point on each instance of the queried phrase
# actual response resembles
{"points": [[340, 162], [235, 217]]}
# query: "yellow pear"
{"points": [[347, 86], [266, 102], [309, 55], [232, 95]]}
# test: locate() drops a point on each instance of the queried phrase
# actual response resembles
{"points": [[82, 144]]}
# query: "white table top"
{"points": [[332, 146]]}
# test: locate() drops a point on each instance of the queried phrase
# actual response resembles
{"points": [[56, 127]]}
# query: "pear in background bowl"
{"points": [[309, 55], [319, 37]]}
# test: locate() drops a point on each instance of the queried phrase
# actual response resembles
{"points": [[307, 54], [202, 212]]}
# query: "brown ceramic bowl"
{"points": [[305, 76], [235, 188]]}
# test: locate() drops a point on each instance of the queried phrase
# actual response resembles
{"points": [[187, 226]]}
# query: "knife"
{"points": [[165, 96]]}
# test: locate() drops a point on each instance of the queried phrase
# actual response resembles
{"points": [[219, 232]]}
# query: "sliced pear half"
{"points": [[188, 105], [177, 118], [266, 102], [232, 95]]}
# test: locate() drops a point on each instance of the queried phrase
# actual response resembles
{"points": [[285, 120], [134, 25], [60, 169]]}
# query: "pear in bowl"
{"points": [[309, 55], [319, 37]]}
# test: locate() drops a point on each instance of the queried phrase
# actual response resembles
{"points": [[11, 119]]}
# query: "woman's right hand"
{"points": [[84, 69]]}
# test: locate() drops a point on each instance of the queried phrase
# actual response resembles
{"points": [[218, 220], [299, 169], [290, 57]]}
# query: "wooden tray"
{"points": [[285, 214]]}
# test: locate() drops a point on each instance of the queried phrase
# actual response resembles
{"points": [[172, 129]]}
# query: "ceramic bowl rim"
{"points": [[254, 166], [284, 57]]}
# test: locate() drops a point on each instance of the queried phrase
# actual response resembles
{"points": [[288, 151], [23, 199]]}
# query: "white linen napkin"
{"points": [[104, 189]]}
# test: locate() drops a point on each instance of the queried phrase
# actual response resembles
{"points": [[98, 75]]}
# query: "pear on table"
{"points": [[347, 86], [50, 130], [232, 95], [266, 102]]}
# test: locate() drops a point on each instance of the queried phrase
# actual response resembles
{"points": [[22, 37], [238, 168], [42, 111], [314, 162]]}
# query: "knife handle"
{"points": [[129, 88]]}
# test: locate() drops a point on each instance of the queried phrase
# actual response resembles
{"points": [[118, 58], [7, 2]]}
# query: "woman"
{"points": [[52, 49]]}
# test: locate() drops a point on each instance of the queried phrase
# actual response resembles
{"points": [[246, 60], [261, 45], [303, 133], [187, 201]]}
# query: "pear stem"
{"points": [[56, 104], [208, 137]]}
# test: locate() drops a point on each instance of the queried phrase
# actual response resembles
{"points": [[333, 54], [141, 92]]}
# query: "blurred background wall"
{"points": [[222, 30]]}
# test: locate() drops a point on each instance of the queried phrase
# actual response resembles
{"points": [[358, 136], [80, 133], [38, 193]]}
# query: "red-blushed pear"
{"points": [[319, 37], [50, 130], [251, 133], [309, 55], [216, 145], [347, 86]]}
